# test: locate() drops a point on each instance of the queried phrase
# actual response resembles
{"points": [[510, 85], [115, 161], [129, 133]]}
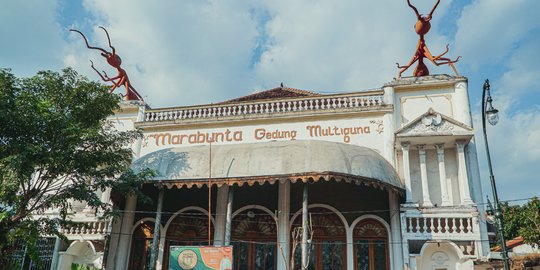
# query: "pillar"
{"points": [[407, 172], [221, 213], [284, 213], [426, 201], [396, 254], [462, 174], [113, 243], [305, 226], [157, 231], [125, 232], [389, 127], [55, 253], [460, 104], [228, 217], [445, 198]]}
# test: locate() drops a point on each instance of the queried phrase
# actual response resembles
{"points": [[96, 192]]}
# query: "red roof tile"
{"points": [[275, 93]]}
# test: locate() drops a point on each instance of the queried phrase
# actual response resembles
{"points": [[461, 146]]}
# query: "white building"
{"points": [[391, 174]]}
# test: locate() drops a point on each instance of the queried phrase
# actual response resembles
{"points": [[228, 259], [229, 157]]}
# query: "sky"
{"points": [[202, 51]]}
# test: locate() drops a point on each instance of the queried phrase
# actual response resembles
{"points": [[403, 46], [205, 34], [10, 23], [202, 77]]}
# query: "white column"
{"points": [[221, 213], [460, 104], [128, 217], [445, 199], [125, 232], [462, 174], [396, 254], [404, 241], [350, 248], [412, 263], [407, 172], [389, 127], [157, 230], [113, 243], [305, 226], [228, 217], [161, 250], [55, 253], [284, 211], [426, 201]]}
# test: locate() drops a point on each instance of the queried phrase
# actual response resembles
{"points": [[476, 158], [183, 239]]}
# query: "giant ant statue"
{"points": [[421, 27], [115, 61]]}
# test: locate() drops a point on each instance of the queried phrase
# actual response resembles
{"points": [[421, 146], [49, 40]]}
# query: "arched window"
{"points": [[328, 246], [370, 246], [141, 244], [254, 237], [188, 228]]}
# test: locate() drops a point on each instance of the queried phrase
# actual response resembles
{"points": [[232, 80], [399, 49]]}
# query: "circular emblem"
{"points": [[187, 259]]}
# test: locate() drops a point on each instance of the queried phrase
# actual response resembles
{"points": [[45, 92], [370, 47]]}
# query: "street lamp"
{"points": [[491, 114]]}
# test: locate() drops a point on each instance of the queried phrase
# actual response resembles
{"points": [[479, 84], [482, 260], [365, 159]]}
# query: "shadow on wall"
{"points": [[167, 163]]}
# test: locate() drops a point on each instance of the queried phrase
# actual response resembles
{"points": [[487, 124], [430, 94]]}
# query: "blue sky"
{"points": [[200, 51]]}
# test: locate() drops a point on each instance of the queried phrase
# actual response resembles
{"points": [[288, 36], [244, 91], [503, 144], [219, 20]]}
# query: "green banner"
{"points": [[200, 258]]}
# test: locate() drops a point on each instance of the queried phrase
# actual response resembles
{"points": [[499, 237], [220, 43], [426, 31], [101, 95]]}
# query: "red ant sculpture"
{"points": [[115, 61], [421, 27]]}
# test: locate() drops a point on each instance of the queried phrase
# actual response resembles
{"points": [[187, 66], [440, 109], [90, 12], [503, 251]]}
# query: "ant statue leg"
{"points": [[117, 84], [403, 68], [139, 97], [438, 61]]}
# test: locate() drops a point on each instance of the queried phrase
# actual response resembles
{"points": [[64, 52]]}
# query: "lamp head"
{"points": [[492, 115]]}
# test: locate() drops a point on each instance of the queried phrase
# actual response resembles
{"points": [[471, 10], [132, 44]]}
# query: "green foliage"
{"points": [[75, 266], [56, 146], [522, 220]]}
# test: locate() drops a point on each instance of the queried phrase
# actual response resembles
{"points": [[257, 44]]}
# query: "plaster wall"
{"points": [[411, 104]]}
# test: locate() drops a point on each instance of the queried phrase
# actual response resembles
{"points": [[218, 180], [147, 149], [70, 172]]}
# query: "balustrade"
{"points": [[264, 107], [434, 226], [94, 229]]}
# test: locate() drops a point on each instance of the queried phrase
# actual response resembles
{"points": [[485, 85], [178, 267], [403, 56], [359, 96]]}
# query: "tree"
{"points": [[56, 147], [522, 220]]}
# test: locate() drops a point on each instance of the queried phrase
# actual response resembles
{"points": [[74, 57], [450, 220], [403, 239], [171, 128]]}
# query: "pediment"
{"points": [[275, 93], [433, 123]]}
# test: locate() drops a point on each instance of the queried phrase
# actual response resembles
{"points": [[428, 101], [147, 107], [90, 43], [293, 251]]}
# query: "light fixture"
{"points": [[491, 114]]}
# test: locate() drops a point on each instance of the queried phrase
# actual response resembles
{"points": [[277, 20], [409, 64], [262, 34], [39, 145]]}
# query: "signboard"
{"points": [[359, 131], [200, 258]]}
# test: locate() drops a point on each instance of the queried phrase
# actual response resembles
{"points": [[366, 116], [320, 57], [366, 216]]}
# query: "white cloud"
{"points": [[515, 156], [502, 37], [31, 38], [340, 45], [489, 30]]}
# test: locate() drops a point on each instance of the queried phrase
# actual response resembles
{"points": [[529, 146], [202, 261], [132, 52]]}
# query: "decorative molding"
{"points": [[434, 123]]}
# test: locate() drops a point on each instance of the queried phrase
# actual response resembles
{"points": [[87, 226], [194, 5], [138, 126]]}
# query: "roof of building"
{"points": [[275, 93], [305, 160], [510, 244]]}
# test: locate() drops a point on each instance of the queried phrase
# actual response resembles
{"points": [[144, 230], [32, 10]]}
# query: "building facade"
{"points": [[386, 179]]}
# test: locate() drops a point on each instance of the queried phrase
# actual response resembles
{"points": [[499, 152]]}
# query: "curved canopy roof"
{"points": [[270, 161]]}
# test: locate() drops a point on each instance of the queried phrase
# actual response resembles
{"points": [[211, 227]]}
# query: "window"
{"points": [[254, 237], [328, 249], [370, 246]]}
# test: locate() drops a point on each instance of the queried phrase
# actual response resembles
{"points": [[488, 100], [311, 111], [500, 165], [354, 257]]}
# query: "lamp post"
{"points": [[491, 114]]}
